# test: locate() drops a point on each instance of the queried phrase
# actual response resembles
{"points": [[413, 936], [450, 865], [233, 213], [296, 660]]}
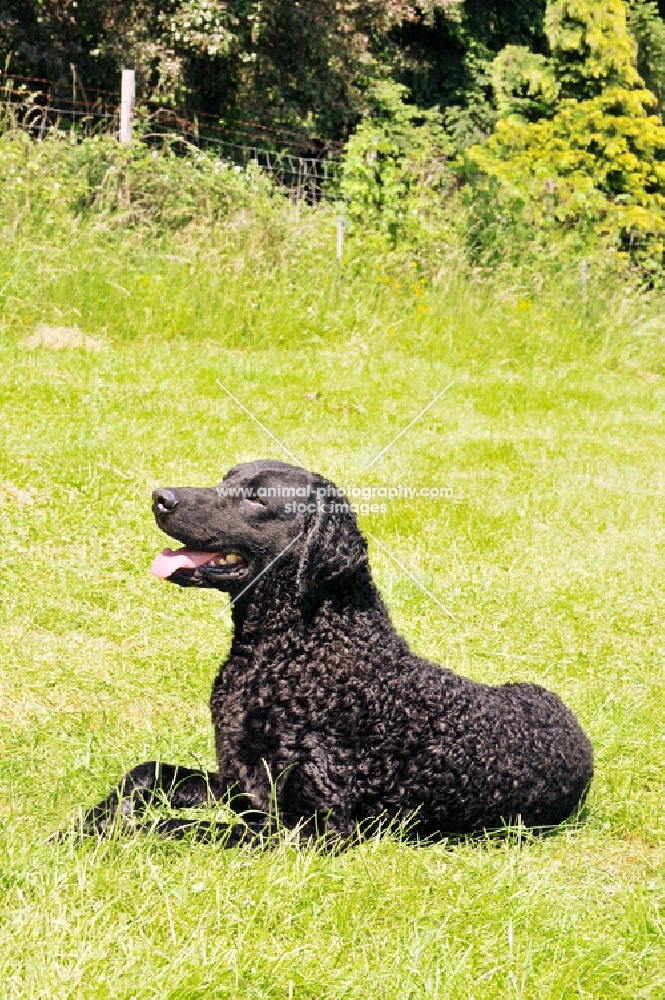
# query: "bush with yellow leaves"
{"points": [[597, 160]]}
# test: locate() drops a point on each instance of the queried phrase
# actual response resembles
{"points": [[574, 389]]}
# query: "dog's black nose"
{"points": [[164, 501]]}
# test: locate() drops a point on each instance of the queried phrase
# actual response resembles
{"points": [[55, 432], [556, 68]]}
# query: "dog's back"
{"points": [[357, 726]]}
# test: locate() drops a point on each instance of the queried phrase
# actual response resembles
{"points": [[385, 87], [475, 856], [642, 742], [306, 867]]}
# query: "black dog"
{"points": [[321, 704]]}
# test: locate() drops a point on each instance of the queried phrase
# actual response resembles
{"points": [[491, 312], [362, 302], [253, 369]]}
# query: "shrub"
{"points": [[131, 184], [524, 83], [600, 160], [590, 45], [393, 162], [598, 164], [648, 29]]}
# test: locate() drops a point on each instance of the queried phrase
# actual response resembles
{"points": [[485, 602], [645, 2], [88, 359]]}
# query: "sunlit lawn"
{"points": [[550, 553]]}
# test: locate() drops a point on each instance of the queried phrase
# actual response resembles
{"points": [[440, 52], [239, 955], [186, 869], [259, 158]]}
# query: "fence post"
{"points": [[127, 97], [583, 275], [340, 240]]}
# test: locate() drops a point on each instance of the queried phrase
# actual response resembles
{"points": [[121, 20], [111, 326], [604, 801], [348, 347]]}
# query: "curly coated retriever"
{"points": [[321, 705]]}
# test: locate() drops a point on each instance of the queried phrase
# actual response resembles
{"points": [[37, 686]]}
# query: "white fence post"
{"points": [[127, 97], [583, 274], [340, 240]]}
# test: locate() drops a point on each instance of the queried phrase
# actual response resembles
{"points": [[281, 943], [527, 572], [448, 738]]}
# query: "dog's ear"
{"points": [[333, 546]]}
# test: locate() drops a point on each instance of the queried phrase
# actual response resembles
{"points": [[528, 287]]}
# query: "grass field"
{"points": [[550, 552]]}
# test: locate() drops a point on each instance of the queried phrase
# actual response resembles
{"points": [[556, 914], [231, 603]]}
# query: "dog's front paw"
{"points": [[78, 830], [108, 819]]}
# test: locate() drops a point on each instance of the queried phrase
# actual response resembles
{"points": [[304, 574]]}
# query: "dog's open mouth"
{"points": [[187, 566]]}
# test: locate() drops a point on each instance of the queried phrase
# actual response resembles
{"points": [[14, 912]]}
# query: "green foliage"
{"points": [[524, 83], [163, 41], [577, 147], [600, 161], [304, 66], [590, 45], [598, 164], [473, 119], [393, 158], [45, 181], [647, 28], [308, 66]]}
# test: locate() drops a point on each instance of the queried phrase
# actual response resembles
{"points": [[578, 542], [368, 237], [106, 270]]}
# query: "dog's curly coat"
{"points": [[320, 694]]}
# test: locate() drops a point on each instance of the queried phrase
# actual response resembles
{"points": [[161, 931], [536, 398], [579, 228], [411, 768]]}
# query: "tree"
{"points": [[43, 38], [445, 60], [648, 29], [524, 83], [303, 63], [308, 65], [600, 159], [590, 45]]}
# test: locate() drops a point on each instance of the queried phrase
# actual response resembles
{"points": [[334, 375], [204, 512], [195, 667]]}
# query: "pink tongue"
{"points": [[168, 561]]}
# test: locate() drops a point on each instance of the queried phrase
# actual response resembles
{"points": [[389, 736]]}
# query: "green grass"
{"points": [[550, 553]]}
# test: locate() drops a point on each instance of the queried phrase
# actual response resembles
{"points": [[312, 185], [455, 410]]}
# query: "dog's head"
{"points": [[261, 516]]}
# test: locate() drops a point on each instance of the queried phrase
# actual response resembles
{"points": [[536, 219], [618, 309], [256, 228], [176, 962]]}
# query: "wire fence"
{"points": [[306, 167]]}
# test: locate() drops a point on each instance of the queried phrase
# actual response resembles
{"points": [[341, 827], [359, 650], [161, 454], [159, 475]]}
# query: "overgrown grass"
{"points": [[550, 553]]}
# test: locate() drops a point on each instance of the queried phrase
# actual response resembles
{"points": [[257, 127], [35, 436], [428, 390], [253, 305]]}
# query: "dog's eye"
{"points": [[256, 501]]}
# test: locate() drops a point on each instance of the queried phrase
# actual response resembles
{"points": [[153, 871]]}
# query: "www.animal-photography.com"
{"points": [[332, 347]]}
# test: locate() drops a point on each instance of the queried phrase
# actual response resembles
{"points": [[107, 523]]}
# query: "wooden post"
{"points": [[128, 94], [583, 272], [340, 240]]}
